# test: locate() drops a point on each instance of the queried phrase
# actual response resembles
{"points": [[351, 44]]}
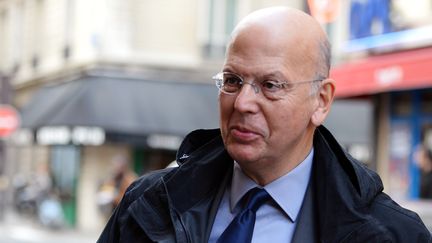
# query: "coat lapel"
{"points": [[342, 198], [151, 212], [186, 200]]}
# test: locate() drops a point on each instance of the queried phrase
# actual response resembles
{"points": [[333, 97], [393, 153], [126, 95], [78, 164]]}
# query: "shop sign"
{"points": [[63, 135], [389, 75], [9, 120], [88, 136], [162, 141], [23, 137], [385, 26]]}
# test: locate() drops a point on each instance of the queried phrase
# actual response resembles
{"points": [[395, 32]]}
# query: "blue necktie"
{"points": [[240, 230]]}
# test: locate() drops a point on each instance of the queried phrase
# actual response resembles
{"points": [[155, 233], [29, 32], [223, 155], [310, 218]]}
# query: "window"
{"points": [[221, 19], [3, 34]]}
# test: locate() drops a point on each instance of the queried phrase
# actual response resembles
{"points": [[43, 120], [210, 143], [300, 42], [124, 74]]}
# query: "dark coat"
{"points": [[180, 204]]}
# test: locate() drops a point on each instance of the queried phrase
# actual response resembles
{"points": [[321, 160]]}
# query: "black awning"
{"points": [[124, 106]]}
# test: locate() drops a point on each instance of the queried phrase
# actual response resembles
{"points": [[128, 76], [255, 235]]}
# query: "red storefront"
{"points": [[404, 70], [400, 87]]}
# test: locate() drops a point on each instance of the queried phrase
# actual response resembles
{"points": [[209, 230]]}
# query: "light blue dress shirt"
{"points": [[275, 220]]}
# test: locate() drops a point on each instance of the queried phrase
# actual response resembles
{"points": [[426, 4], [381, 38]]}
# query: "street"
{"points": [[15, 229], [28, 235]]}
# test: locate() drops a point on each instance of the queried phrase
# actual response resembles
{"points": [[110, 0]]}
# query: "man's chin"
{"points": [[242, 152]]}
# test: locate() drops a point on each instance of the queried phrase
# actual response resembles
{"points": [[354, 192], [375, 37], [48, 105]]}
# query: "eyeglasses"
{"points": [[231, 84]]}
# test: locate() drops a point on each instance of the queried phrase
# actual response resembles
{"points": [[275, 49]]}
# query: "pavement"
{"points": [[18, 229], [15, 228]]}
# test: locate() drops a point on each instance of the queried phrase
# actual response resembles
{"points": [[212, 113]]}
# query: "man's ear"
{"points": [[325, 100]]}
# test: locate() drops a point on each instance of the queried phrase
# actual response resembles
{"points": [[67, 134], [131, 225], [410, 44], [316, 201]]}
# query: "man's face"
{"points": [[257, 129]]}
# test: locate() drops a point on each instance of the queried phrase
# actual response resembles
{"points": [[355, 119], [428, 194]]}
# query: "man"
{"points": [[274, 95], [112, 190]]}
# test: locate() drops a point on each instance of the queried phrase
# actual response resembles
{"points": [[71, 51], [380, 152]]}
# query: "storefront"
{"points": [[80, 125], [400, 86]]}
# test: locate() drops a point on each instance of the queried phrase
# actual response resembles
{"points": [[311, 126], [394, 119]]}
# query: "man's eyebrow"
{"points": [[276, 74], [228, 69]]}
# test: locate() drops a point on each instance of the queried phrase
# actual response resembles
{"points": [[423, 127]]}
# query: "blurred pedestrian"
{"points": [[271, 173], [113, 189], [424, 161]]}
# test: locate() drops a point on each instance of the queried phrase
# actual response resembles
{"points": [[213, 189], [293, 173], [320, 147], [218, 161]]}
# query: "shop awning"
{"points": [[124, 106], [397, 71]]}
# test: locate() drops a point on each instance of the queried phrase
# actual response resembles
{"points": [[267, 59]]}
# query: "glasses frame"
{"points": [[218, 78]]}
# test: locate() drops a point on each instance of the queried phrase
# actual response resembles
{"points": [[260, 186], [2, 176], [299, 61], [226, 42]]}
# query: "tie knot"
{"points": [[255, 198]]}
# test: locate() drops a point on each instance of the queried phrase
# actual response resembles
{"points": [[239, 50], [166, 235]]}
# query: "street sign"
{"points": [[9, 120]]}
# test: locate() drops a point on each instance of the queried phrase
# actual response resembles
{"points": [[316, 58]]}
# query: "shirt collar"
{"points": [[287, 191]]}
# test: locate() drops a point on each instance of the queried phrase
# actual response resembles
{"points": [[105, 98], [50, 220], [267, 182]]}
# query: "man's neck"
{"points": [[266, 171]]}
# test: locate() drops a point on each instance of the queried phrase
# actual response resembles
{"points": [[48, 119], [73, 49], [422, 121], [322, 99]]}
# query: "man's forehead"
{"points": [[277, 18], [272, 14], [279, 23], [259, 41], [261, 50]]}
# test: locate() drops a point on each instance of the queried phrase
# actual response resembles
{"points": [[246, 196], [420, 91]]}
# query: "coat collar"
{"points": [[152, 214], [344, 188], [200, 173], [203, 166]]}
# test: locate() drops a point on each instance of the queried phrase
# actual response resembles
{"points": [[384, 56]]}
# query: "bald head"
{"points": [[267, 126], [287, 31]]}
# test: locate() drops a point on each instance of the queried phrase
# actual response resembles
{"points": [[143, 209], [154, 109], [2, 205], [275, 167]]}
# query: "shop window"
{"points": [[65, 166], [426, 102], [402, 104], [4, 36], [399, 155]]}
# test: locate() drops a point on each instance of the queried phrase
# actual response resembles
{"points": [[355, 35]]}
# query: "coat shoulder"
{"points": [[405, 225], [122, 225], [150, 180]]}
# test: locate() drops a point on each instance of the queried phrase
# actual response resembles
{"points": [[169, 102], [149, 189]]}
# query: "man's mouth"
{"points": [[243, 134]]}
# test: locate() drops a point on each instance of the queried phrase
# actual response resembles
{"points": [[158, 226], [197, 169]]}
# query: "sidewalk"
{"points": [[17, 229]]}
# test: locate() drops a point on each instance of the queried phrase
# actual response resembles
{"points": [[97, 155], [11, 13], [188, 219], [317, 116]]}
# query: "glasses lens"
{"points": [[231, 83]]}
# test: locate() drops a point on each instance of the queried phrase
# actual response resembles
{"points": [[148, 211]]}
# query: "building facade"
{"points": [[101, 78], [95, 79], [386, 60]]}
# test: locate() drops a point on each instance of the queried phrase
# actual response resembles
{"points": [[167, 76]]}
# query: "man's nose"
{"points": [[247, 98], [254, 86]]}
